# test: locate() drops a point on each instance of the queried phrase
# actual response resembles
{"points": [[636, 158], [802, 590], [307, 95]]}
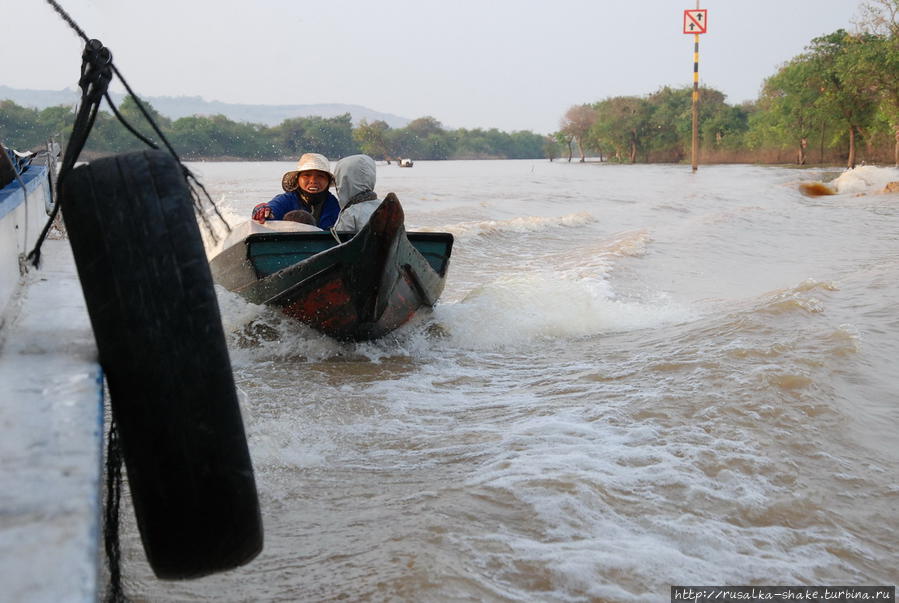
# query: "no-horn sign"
{"points": [[696, 21]]}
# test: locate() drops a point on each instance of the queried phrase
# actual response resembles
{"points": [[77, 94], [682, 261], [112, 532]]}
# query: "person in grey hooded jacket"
{"points": [[354, 178]]}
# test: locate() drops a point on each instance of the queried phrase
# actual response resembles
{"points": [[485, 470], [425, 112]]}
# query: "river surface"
{"points": [[637, 377]]}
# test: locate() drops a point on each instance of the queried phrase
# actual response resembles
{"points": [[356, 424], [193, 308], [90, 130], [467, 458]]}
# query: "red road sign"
{"points": [[696, 21]]}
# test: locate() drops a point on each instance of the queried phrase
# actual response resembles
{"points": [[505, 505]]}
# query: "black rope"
{"points": [[96, 73], [97, 69], [68, 19], [192, 181], [115, 593], [129, 127]]}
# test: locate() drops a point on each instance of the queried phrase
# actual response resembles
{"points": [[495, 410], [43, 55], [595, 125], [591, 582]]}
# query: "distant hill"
{"points": [[184, 106]]}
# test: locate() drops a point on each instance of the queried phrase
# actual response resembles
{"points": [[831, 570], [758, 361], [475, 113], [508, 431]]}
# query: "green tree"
{"points": [[332, 137], [472, 144], [372, 138], [671, 122], [56, 122], [789, 108], [881, 18], [524, 144], [21, 127], [404, 143], [847, 96], [622, 123], [437, 146], [721, 125], [424, 127], [424, 138], [290, 136], [494, 144], [550, 147], [109, 135], [566, 140], [199, 137]]}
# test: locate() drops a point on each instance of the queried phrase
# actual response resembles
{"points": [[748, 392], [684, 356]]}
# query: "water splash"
{"points": [[862, 180], [865, 179], [517, 310], [523, 224]]}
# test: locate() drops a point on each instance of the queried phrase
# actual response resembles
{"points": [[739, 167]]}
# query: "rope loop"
{"points": [[96, 71]]}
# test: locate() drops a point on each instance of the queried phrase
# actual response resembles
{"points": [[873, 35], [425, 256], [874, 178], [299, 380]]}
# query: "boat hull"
{"points": [[362, 288]]}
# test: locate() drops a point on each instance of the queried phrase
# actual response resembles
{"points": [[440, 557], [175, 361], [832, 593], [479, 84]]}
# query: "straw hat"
{"points": [[308, 161]]}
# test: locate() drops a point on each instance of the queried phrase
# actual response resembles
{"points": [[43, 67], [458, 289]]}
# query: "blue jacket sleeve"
{"points": [[283, 203]]}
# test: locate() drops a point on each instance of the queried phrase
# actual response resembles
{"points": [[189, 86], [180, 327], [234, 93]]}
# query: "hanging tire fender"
{"points": [[155, 317]]}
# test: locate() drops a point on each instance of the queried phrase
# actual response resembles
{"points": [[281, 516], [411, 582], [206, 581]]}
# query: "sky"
{"points": [[506, 64]]}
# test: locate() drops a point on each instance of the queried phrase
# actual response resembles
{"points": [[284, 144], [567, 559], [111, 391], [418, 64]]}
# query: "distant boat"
{"points": [[406, 163], [361, 287]]}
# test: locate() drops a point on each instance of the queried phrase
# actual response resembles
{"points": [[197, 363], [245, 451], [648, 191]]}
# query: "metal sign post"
{"points": [[695, 22]]}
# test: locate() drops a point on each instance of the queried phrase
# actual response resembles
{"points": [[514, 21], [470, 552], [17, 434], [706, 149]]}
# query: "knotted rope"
{"points": [[97, 69]]}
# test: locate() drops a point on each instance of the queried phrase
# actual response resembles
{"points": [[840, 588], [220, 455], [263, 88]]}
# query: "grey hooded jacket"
{"points": [[354, 177]]}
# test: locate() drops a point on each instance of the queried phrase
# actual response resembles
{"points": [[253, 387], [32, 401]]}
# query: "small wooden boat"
{"points": [[361, 288]]}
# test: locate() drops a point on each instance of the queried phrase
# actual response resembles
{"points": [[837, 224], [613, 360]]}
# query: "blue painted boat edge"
{"points": [[12, 195]]}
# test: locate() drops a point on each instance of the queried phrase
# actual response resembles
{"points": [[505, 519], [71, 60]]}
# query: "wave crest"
{"points": [[523, 224]]}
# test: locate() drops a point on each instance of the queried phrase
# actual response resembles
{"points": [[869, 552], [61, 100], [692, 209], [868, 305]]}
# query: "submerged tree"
{"points": [[577, 123], [565, 139], [550, 147]]}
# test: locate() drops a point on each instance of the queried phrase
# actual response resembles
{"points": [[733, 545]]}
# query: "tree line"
{"points": [[836, 102], [207, 137]]}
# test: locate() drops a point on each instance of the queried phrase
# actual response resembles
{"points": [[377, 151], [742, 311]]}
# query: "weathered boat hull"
{"points": [[363, 288]]}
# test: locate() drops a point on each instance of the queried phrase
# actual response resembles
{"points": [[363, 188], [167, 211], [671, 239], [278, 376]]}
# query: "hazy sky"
{"points": [[509, 64]]}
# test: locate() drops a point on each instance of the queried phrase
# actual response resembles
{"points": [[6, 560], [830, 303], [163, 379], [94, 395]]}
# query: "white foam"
{"points": [[597, 494], [865, 179], [282, 442], [236, 311], [519, 309], [510, 311], [629, 244], [523, 224], [212, 231], [257, 333]]}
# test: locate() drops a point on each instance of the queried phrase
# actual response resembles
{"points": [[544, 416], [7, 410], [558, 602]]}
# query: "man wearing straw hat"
{"points": [[305, 197]]}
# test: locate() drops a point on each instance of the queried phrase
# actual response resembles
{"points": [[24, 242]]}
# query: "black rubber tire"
{"points": [[156, 320]]}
